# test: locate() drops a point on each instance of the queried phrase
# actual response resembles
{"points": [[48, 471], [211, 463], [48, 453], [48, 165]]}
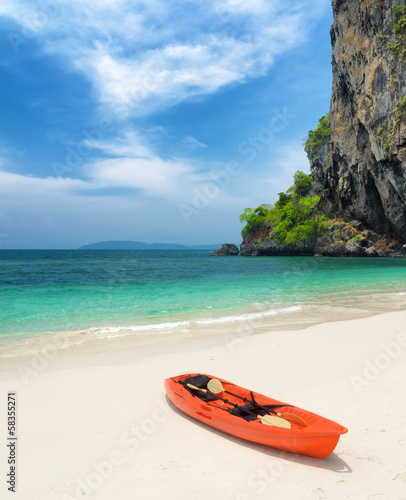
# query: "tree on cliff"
{"points": [[294, 218]]}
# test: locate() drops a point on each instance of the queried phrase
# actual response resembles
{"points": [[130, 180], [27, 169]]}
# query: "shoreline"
{"points": [[97, 424], [255, 319], [53, 296]]}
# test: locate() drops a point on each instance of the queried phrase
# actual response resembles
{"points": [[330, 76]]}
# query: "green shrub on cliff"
{"points": [[399, 21], [298, 220], [294, 218], [301, 184], [398, 115], [399, 28], [400, 108], [254, 217], [318, 136]]}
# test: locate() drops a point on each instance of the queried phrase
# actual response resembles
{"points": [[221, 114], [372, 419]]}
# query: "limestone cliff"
{"points": [[357, 153], [361, 168]]}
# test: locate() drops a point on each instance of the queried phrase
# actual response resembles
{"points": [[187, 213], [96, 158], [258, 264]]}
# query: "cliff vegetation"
{"points": [[294, 218]]}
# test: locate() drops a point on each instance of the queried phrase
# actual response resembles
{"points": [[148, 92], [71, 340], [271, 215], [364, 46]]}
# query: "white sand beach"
{"points": [[94, 421]]}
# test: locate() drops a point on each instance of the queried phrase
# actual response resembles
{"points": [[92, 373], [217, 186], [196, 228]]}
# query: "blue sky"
{"points": [[155, 121]]}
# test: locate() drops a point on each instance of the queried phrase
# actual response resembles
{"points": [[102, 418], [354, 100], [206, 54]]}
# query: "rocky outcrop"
{"points": [[361, 168], [344, 240], [226, 249], [270, 247]]}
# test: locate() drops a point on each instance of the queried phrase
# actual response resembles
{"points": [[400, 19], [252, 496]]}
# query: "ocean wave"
{"points": [[248, 316], [176, 324], [54, 341], [136, 328]]}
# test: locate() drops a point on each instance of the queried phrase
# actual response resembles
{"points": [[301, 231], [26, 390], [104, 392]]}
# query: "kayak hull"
{"points": [[317, 440]]}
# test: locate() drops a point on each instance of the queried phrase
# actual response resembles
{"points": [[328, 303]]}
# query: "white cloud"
{"points": [[25, 184], [143, 56], [154, 176], [128, 144], [167, 76], [190, 143], [242, 6], [133, 165]]}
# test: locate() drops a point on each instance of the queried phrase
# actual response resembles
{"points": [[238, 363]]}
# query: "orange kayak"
{"points": [[243, 413]]}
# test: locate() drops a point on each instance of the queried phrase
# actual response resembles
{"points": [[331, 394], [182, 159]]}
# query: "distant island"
{"points": [[139, 245]]}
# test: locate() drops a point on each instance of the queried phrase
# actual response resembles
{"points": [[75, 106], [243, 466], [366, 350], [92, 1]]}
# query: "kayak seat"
{"points": [[200, 381], [269, 407], [245, 411]]}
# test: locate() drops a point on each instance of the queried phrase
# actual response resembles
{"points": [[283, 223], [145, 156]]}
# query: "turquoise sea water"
{"points": [[71, 290]]}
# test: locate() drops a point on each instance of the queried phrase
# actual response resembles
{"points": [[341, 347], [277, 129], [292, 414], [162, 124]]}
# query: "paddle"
{"points": [[215, 387], [265, 419]]}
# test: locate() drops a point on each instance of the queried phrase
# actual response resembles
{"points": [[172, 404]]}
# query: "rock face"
{"points": [[226, 249], [361, 168], [346, 239]]}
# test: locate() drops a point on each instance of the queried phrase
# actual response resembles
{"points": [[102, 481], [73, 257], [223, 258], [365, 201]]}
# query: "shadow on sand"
{"points": [[332, 462]]}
